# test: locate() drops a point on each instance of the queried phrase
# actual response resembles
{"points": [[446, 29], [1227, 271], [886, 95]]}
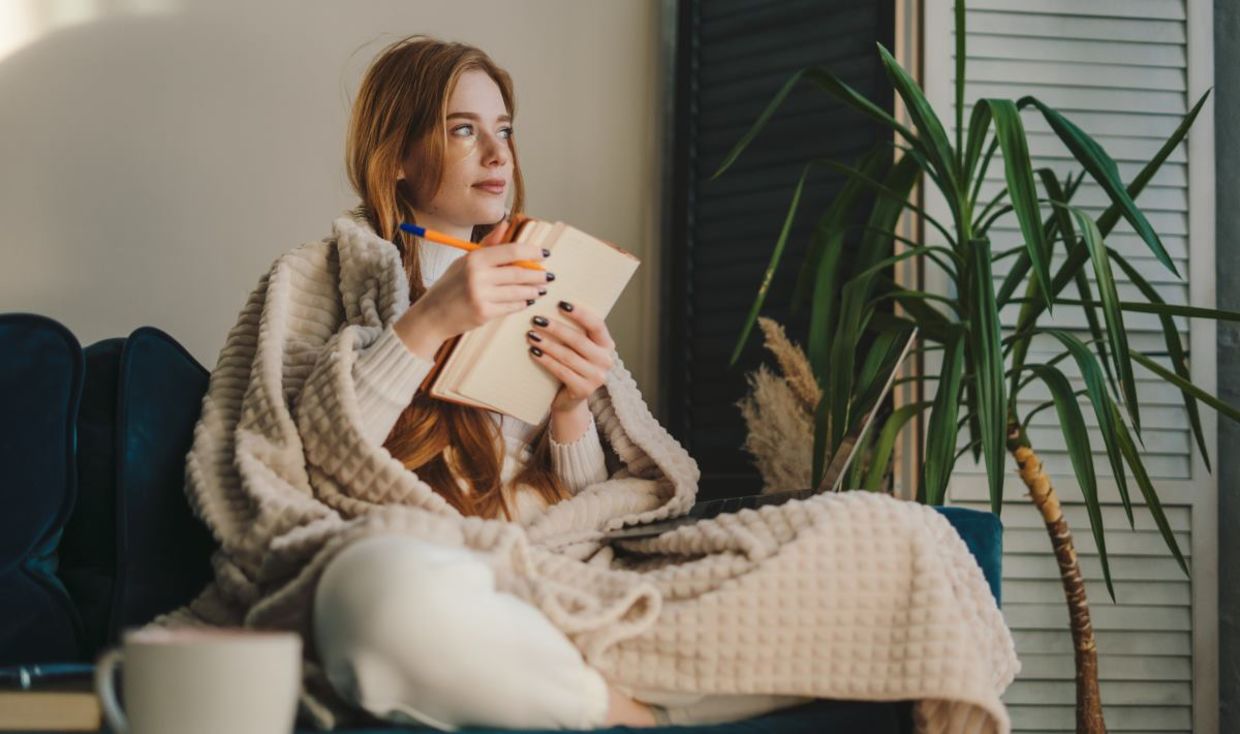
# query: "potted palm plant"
{"points": [[984, 367]]}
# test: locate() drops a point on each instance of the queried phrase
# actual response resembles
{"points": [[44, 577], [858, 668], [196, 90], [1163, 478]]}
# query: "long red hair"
{"points": [[401, 110]]}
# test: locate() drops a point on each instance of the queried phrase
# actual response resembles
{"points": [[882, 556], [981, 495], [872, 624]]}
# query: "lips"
{"points": [[492, 185]]}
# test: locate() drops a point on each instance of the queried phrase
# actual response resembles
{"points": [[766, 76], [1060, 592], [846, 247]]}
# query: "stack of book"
{"points": [[55, 697]]}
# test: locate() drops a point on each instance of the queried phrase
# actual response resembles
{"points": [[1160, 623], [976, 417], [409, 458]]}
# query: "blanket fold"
{"points": [[852, 595]]}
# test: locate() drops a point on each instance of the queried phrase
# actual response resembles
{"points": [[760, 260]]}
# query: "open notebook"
{"points": [[490, 367]]}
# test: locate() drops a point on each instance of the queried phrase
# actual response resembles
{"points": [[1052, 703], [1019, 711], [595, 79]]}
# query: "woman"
{"points": [[431, 141]]}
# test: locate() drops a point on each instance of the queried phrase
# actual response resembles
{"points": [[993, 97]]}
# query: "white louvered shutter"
{"points": [[1126, 71]]}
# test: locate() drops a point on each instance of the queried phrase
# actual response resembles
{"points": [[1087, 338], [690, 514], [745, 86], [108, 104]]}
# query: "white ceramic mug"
{"points": [[208, 680]]}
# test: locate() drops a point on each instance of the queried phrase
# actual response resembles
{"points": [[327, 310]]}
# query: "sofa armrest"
{"points": [[982, 532]]}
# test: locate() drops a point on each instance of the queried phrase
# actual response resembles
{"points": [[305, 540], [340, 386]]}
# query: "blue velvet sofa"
{"points": [[96, 535]]}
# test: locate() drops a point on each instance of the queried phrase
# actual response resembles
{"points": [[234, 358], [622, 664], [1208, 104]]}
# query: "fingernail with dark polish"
{"points": [[542, 291], [537, 352], [530, 302], [550, 277], [533, 336], [566, 305], [546, 252], [541, 321]]}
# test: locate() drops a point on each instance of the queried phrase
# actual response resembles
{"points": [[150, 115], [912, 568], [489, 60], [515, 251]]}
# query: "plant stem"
{"points": [[1089, 718]]}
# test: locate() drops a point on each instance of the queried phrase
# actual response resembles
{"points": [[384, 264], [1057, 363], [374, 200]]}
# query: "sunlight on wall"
{"points": [[23, 22]]}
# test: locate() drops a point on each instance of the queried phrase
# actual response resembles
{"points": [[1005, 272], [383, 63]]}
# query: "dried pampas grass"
{"points": [[779, 413]]}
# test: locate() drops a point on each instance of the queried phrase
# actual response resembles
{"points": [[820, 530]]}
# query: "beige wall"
{"points": [[157, 155]]}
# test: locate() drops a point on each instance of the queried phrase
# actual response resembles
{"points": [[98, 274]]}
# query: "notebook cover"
{"points": [[515, 226], [525, 389], [475, 343]]}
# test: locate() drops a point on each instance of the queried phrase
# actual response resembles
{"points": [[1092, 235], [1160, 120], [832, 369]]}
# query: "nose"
{"points": [[496, 151]]}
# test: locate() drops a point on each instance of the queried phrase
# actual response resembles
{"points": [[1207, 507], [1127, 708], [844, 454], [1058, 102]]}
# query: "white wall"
{"points": [[157, 155]]}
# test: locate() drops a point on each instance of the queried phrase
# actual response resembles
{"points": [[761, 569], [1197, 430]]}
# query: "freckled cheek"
{"points": [[463, 149], [460, 177]]}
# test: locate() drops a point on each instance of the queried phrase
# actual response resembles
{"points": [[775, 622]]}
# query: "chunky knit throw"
{"points": [[853, 595]]}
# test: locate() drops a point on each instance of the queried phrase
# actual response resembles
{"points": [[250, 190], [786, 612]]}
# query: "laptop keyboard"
{"points": [[709, 509], [713, 508]]}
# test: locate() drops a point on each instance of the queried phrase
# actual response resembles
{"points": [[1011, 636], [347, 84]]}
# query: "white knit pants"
{"points": [[415, 632]]}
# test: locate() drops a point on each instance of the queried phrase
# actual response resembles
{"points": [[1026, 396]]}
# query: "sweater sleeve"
{"points": [[580, 463], [386, 375]]}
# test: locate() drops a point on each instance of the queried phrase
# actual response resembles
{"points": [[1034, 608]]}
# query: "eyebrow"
{"points": [[472, 116]]}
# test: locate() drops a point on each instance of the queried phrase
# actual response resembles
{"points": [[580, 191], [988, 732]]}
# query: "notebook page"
{"points": [[588, 271], [468, 350]]}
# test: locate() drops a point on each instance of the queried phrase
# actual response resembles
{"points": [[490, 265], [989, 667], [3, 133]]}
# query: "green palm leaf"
{"points": [[1017, 274], [886, 192], [1102, 168], [1152, 503], [934, 325], [881, 358], [828, 237], [936, 146], [856, 467], [1063, 221], [842, 358], [875, 243], [1187, 386], [886, 443], [980, 175], [1076, 436], [961, 57], [1109, 218], [1109, 294], [1095, 328], [1175, 350], [1169, 309], [769, 275], [942, 429], [987, 350], [832, 84], [1108, 423], [878, 234], [1021, 186], [979, 124], [1047, 405]]}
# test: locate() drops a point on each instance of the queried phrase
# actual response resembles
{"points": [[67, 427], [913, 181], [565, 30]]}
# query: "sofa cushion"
{"points": [[131, 554], [40, 386], [163, 553], [88, 550]]}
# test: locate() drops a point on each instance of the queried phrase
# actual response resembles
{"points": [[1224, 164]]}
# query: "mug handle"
{"points": [[105, 671]]}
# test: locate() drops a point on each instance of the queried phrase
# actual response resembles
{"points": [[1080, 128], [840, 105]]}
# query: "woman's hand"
{"points": [[579, 357], [477, 287]]}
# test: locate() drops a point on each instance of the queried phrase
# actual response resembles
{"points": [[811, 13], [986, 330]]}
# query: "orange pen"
{"points": [[444, 239]]}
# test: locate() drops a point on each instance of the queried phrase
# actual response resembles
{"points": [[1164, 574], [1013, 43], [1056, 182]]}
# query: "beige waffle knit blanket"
{"points": [[852, 596]]}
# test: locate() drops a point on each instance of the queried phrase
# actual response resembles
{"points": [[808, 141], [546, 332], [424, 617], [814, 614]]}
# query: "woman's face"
{"points": [[477, 167]]}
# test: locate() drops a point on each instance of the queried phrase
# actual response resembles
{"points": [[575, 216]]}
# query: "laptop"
{"points": [[892, 356]]}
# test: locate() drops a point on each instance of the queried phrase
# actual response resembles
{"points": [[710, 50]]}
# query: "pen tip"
{"points": [[413, 229]]}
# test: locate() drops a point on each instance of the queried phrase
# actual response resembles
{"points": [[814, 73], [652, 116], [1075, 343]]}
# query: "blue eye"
{"points": [[508, 130]]}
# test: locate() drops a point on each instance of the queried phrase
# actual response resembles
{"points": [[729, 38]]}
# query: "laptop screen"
{"points": [[878, 373]]}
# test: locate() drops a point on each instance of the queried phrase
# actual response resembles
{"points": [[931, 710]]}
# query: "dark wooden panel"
{"points": [[732, 56]]}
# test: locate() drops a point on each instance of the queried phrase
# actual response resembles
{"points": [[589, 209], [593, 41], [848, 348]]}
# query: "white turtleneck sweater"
{"points": [[579, 463]]}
